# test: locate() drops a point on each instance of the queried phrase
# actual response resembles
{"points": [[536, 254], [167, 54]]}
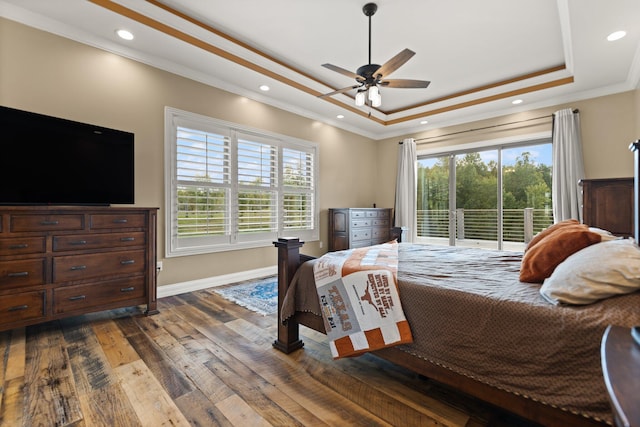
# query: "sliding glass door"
{"points": [[492, 198]]}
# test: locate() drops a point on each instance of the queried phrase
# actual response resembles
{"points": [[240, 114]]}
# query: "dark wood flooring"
{"points": [[205, 361]]}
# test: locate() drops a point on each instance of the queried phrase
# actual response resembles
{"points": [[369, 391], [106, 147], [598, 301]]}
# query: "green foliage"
{"points": [[525, 185]]}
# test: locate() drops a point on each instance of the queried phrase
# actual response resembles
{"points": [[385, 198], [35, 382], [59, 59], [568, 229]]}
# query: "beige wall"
{"points": [[608, 125], [51, 75]]}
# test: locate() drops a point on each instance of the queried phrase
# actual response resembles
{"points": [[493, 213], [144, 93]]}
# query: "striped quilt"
{"points": [[359, 299]]}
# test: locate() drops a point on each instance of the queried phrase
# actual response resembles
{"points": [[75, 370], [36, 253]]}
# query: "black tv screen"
{"points": [[46, 160]]}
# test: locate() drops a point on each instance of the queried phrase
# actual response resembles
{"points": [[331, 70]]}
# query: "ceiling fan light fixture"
{"points": [[377, 101], [360, 98], [373, 92]]}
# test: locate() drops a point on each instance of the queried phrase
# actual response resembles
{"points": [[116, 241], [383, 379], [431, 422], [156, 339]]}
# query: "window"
{"points": [[231, 187], [492, 196]]}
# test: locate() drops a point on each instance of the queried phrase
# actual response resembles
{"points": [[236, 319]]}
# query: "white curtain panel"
{"points": [[406, 184], [568, 166]]}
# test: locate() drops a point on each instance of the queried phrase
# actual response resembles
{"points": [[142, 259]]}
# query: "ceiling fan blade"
{"points": [[335, 92], [405, 83], [343, 71], [394, 63]]}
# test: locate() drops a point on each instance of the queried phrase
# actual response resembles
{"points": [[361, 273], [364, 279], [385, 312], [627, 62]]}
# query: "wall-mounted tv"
{"points": [[47, 160]]}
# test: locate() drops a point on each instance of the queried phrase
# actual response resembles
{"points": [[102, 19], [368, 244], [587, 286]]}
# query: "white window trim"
{"points": [[174, 118]]}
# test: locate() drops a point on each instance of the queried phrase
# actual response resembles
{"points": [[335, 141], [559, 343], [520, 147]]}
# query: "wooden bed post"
{"points": [[635, 147], [288, 262]]}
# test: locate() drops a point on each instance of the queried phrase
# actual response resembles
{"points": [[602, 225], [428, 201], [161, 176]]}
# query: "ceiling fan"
{"points": [[370, 76]]}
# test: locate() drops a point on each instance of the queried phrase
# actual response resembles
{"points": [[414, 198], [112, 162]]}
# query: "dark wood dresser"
{"points": [[608, 204], [358, 227], [63, 261]]}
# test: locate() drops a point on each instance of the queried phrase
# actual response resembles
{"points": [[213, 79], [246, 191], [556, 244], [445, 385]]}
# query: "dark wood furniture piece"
{"points": [[621, 368], [358, 227], [608, 204], [57, 262]]}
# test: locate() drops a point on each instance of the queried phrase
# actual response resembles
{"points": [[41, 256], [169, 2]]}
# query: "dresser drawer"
{"points": [[380, 234], [358, 214], [98, 241], [81, 297], [364, 234], [52, 222], [114, 220], [80, 267], [27, 272], [381, 222], [361, 223], [22, 306], [360, 243], [22, 245]]}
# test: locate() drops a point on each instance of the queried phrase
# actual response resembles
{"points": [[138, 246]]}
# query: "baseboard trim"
{"points": [[212, 282]]}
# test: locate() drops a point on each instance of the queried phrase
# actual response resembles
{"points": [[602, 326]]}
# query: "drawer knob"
{"points": [[77, 298], [129, 289], [127, 239], [18, 307], [19, 274], [49, 223], [78, 267], [120, 221], [128, 261], [79, 242], [19, 246]]}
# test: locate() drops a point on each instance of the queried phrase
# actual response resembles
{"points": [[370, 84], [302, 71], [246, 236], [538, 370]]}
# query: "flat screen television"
{"points": [[47, 160]]}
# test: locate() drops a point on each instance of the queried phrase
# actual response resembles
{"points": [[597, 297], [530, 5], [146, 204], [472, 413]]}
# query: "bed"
{"points": [[496, 339]]}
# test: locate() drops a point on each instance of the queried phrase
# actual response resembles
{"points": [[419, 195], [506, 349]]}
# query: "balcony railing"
{"points": [[518, 225]]}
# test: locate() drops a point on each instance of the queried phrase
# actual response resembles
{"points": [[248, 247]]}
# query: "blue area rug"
{"points": [[260, 296]]}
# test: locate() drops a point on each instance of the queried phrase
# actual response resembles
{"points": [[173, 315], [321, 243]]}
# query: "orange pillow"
{"points": [[539, 261], [549, 230]]}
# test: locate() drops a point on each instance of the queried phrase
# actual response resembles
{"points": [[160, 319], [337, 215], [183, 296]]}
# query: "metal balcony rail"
{"points": [[518, 225]]}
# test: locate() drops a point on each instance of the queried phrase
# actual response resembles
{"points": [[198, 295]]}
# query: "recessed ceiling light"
{"points": [[264, 88], [424, 122], [616, 35], [340, 116], [124, 34], [516, 101]]}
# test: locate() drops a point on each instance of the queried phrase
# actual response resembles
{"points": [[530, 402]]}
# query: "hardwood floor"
{"points": [[204, 361]]}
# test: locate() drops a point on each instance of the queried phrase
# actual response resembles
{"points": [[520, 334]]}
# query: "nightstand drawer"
{"points": [[27, 272], [82, 297], [97, 241], [22, 306], [80, 267]]}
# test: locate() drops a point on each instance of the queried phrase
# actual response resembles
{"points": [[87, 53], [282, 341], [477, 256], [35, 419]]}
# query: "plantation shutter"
{"points": [[257, 180], [203, 187], [298, 189]]}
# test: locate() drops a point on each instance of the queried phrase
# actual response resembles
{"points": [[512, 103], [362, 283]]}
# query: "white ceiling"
{"points": [[478, 55]]}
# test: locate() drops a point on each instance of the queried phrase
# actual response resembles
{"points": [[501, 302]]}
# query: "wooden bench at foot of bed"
{"points": [[290, 258]]}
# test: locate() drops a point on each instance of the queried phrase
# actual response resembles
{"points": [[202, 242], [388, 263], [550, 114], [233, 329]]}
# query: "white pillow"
{"points": [[596, 272], [606, 235]]}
